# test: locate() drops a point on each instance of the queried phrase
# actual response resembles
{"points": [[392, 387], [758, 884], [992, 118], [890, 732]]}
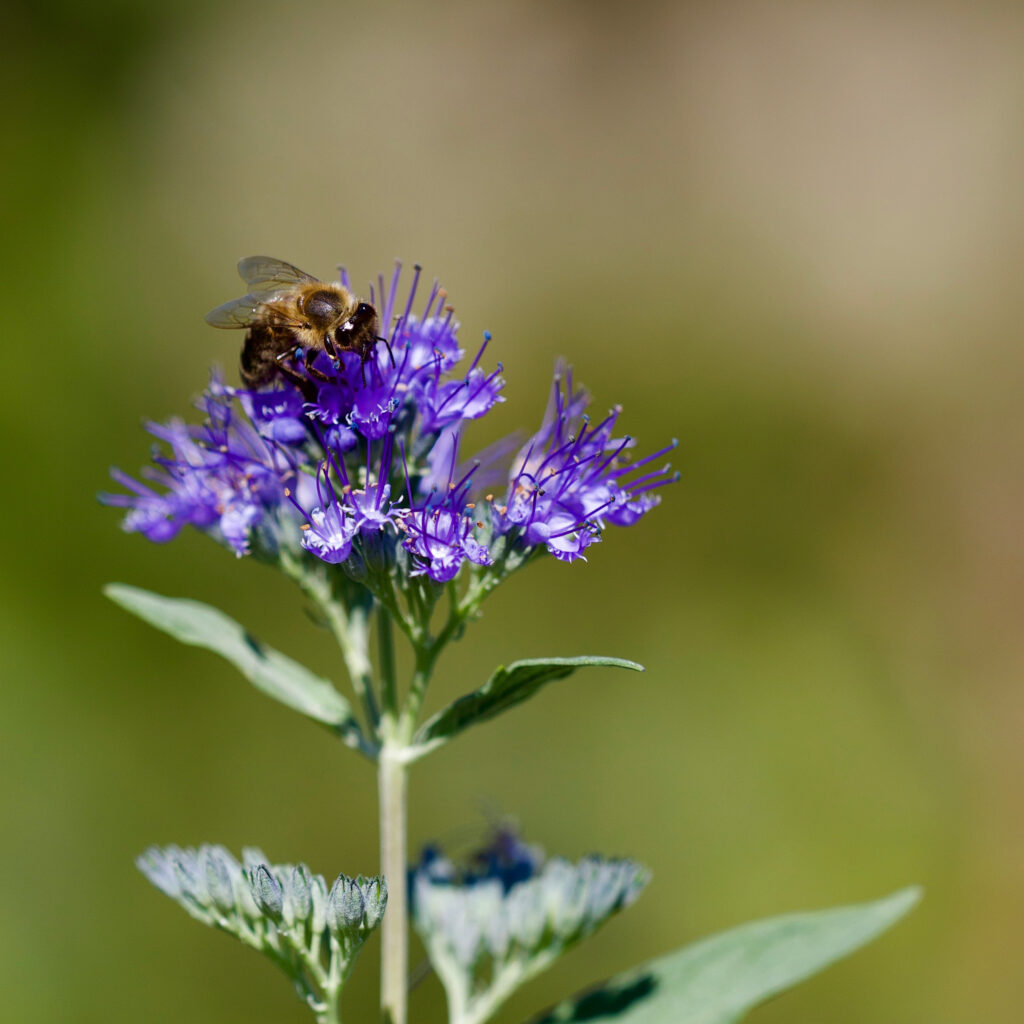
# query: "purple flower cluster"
{"points": [[360, 465], [219, 477], [571, 478], [512, 909]]}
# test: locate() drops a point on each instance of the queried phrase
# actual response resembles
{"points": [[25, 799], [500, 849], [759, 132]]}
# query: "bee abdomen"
{"points": [[258, 365]]}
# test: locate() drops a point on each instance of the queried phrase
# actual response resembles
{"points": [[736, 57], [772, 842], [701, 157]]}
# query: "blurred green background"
{"points": [[788, 233]]}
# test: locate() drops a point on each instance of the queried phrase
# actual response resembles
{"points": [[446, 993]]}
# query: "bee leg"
{"points": [[391, 355], [316, 374], [304, 384]]}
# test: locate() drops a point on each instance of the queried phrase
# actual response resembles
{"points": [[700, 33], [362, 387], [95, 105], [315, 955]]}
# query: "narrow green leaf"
{"points": [[268, 670], [506, 688], [720, 979]]}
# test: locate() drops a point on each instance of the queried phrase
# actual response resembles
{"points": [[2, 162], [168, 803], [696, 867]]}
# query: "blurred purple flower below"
{"points": [[366, 461]]}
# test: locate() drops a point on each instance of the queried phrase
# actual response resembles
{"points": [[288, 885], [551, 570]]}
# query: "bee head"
{"points": [[362, 324]]}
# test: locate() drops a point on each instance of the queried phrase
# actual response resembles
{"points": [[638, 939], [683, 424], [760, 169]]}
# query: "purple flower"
{"points": [[442, 403], [439, 532], [328, 445], [158, 517], [571, 477], [440, 540], [410, 374], [370, 505], [220, 478], [277, 414], [330, 526]]}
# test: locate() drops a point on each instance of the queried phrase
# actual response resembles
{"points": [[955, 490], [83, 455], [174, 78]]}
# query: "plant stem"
{"points": [[386, 650], [391, 775], [352, 633], [348, 625], [332, 1015]]}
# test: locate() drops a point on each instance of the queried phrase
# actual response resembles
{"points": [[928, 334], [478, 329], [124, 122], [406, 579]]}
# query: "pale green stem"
{"points": [[349, 626], [391, 774], [417, 690], [481, 1007], [332, 1003], [352, 633], [426, 656], [386, 650], [332, 1015]]}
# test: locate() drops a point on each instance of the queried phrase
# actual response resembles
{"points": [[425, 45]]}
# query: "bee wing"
{"points": [[265, 275], [236, 313], [268, 280]]}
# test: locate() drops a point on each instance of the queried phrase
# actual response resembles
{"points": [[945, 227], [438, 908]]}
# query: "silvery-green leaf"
{"points": [[268, 670], [506, 688], [719, 979]]}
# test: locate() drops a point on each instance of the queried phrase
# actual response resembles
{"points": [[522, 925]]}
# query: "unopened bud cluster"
{"points": [[284, 910], [489, 928]]}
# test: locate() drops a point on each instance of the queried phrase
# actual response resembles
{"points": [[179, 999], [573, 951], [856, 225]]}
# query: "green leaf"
{"points": [[268, 670], [506, 688], [720, 979]]}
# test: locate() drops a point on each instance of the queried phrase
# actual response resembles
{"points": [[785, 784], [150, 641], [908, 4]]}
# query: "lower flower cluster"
{"points": [[361, 464], [494, 925], [312, 932]]}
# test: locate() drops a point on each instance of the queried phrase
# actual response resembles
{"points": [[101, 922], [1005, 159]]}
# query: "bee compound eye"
{"points": [[364, 309]]}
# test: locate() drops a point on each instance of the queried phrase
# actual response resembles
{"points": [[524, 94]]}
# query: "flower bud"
{"points": [[298, 900], [345, 906], [267, 892], [189, 877], [218, 878], [355, 567], [319, 894], [253, 857], [378, 551], [375, 899], [158, 868]]}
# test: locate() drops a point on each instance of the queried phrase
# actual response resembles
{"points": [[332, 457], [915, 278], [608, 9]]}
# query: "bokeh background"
{"points": [[788, 233]]}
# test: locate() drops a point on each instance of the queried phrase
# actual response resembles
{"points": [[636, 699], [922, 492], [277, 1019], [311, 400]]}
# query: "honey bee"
{"points": [[289, 314]]}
